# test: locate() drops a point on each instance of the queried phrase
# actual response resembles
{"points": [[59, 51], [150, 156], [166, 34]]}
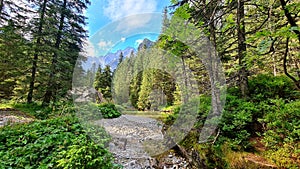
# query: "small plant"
{"points": [[109, 110]]}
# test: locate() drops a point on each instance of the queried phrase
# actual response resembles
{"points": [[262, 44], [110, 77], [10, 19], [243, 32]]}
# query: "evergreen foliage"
{"points": [[103, 82]]}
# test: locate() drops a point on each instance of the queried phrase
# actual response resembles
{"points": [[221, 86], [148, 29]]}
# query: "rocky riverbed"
{"points": [[129, 135]]}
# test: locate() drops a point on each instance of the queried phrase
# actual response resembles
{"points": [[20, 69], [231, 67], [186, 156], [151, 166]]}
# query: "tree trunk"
{"points": [[51, 82], [274, 66], [185, 92], [36, 52], [243, 73]]}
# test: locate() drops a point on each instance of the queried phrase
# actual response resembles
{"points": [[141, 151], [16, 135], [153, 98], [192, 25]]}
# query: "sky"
{"points": [[117, 24]]}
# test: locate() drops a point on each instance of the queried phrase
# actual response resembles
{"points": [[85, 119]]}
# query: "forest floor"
{"points": [[257, 158]]}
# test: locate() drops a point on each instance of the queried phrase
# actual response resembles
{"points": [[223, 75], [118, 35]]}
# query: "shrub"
{"points": [[120, 108], [282, 124], [109, 110], [50, 143], [204, 109], [282, 133], [236, 121], [264, 86], [85, 154]]}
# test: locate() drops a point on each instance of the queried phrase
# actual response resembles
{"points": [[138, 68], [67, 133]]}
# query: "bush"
{"points": [[85, 154], [237, 120], [204, 110], [52, 143], [282, 124], [266, 86], [109, 110]]}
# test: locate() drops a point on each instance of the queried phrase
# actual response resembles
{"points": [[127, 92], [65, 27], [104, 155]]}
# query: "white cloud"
{"points": [[105, 45], [117, 9], [88, 49], [129, 24]]}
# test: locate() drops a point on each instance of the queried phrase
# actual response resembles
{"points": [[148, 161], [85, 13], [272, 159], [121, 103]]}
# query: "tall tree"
{"points": [[98, 78], [68, 42], [243, 74], [107, 77], [58, 40], [103, 81], [15, 11], [13, 61], [166, 21], [37, 45]]}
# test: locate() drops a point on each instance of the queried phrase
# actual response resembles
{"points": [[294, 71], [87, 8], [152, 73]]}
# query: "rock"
{"points": [[172, 161], [129, 133]]}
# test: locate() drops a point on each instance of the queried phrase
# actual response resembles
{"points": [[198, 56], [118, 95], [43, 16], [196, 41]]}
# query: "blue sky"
{"points": [[117, 24]]}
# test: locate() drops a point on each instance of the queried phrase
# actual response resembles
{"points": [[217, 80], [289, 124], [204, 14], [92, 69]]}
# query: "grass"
{"points": [[32, 110], [5, 106]]}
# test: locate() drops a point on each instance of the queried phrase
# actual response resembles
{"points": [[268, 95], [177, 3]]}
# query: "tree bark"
{"points": [[243, 73], [51, 82], [36, 52]]}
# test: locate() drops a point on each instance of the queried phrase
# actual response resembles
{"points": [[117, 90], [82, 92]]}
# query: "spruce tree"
{"points": [[68, 42]]}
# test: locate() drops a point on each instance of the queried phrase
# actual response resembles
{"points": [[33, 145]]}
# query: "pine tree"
{"points": [[67, 45], [37, 45], [98, 79], [13, 61], [243, 73], [107, 77], [103, 82], [14, 11]]}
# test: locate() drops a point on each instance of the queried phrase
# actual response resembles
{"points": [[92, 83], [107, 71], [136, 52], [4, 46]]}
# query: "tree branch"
{"points": [[290, 18], [297, 83]]}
